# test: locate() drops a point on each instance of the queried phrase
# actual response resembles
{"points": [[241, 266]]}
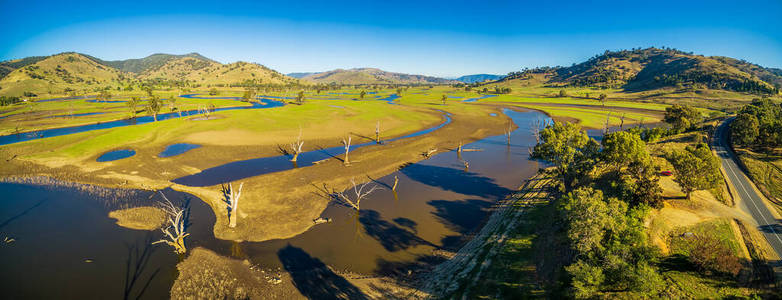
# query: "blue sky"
{"points": [[441, 38]]}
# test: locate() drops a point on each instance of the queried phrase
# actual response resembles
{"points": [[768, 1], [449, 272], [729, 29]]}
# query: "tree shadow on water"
{"points": [[313, 278], [136, 264], [392, 237], [455, 180], [459, 216]]}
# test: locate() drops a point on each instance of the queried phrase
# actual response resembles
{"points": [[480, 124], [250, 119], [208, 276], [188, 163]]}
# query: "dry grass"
{"points": [[140, 218]]}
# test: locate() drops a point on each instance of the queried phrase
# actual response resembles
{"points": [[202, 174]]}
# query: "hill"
{"points": [[201, 71], [60, 73], [139, 65], [479, 78], [653, 68], [80, 73], [8, 66], [372, 76]]}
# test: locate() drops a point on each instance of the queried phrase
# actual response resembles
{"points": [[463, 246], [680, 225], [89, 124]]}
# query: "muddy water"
{"points": [[66, 247]]}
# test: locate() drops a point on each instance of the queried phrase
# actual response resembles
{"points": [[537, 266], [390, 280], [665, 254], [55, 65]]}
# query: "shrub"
{"points": [[710, 255]]}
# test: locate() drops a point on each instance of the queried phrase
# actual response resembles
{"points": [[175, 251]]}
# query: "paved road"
{"points": [[752, 202]]}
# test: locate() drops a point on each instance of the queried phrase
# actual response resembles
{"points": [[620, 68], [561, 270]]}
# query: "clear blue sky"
{"points": [[442, 38]]}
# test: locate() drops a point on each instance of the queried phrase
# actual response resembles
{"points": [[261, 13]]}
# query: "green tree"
{"points": [[745, 129], [562, 93], [132, 104], [682, 117], [696, 168], [153, 106], [300, 98], [443, 98], [213, 91], [569, 148], [361, 96], [621, 148]]}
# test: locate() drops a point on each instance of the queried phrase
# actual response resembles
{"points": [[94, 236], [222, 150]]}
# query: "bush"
{"points": [[711, 255]]}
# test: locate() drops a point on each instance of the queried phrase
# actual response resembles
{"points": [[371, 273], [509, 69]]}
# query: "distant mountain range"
{"points": [[368, 76], [479, 78], [632, 70]]}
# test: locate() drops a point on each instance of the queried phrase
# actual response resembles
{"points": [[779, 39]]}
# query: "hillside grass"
{"points": [[766, 172]]}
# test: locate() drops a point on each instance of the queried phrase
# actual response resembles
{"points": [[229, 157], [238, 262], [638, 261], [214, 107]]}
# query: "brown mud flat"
{"points": [[277, 205]]}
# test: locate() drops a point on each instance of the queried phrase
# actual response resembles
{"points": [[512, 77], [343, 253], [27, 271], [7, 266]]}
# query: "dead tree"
{"points": [[175, 233], [459, 149], [346, 142], [466, 165], [535, 128], [622, 122], [428, 154], [296, 147], [377, 132], [396, 181], [508, 131], [361, 191], [608, 122], [231, 199]]}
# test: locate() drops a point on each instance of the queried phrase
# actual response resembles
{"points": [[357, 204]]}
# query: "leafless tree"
{"points": [[622, 122], [175, 233], [428, 154], [360, 191], [466, 165], [377, 132], [346, 142], [508, 131], [608, 121], [296, 147], [459, 149], [231, 199], [535, 128], [396, 181]]}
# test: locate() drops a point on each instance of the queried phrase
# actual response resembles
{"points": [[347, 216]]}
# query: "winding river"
{"points": [[64, 241]]}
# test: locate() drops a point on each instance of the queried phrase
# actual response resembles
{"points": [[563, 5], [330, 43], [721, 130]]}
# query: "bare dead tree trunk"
{"points": [[377, 132], [608, 120], [428, 153], [622, 122], [466, 165], [459, 149], [175, 233], [535, 128], [508, 132], [232, 202], [361, 191], [346, 143], [396, 181], [296, 147]]}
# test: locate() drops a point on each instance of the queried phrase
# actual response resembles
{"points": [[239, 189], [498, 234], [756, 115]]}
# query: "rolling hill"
{"points": [[139, 65], [371, 76], [80, 73], [60, 73], [208, 72], [653, 68]]}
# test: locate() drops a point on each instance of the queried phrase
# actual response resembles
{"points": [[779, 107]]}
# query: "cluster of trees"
{"points": [[5, 100], [682, 117], [605, 191], [602, 211], [758, 125]]}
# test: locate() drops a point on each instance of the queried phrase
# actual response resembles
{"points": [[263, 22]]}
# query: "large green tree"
{"points": [[745, 129], [570, 149], [682, 117], [696, 168], [621, 148]]}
